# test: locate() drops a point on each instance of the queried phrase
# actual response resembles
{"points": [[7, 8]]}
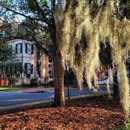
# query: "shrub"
{"points": [[34, 82]]}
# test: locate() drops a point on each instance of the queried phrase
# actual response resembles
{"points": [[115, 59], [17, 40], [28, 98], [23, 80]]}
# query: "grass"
{"points": [[9, 89]]}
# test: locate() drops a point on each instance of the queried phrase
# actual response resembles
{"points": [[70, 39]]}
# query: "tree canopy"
{"points": [[76, 28], [10, 66]]}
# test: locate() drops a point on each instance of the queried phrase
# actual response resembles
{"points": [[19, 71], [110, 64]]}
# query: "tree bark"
{"points": [[115, 84], [59, 99]]}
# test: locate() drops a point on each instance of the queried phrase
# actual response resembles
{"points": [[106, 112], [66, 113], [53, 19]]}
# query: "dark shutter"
{"points": [[25, 47], [32, 49], [25, 66], [16, 46], [21, 47], [31, 68]]}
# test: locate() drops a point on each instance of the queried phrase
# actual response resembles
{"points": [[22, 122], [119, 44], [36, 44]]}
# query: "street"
{"points": [[8, 99]]}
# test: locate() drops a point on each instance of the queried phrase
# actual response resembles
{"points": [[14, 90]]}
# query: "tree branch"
{"points": [[29, 17], [42, 12], [53, 4], [4, 12], [41, 47]]}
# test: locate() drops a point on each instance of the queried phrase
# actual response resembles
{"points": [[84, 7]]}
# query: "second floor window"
{"points": [[28, 48], [18, 48]]}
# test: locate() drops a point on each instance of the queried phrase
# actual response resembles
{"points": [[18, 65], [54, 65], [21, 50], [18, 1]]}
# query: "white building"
{"points": [[32, 65], [26, 52]]}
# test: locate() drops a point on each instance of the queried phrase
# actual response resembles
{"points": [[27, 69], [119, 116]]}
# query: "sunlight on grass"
{"points": [[8, 89]]}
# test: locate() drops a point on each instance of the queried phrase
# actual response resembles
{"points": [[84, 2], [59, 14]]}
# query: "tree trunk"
{"points": [[115, 84], [59, 99]]}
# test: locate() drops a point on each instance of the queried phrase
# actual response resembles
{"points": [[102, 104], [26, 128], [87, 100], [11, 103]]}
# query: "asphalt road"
{"points": [[16, 99]]}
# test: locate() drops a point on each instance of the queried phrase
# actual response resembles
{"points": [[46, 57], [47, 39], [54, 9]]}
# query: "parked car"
{"points": [[102, 81]]}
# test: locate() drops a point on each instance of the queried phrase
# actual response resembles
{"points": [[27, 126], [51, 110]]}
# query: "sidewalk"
{"points": [[44, 89], [37, 89], [48, 89]]}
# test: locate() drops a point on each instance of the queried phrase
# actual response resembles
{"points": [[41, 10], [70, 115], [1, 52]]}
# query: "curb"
{"points": [[23, 105]]}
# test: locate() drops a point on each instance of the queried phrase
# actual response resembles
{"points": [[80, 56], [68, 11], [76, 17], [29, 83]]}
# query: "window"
{"points": [[28, 69], [28, 48], [18, 48]]}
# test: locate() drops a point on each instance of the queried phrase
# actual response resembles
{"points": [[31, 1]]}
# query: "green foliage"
{"points": [[32, 5], [44, 2], [33, 30], [9, 62], [6, 52]]}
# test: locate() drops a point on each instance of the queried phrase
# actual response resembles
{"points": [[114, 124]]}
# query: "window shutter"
{"points": [[32, 49], [16, 46], [31, 68], [25, 66], [25, 47], [21, 48]]}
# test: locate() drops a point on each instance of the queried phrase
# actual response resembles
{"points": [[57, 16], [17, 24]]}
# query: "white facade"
{"points": [[26, 52], [32, 65]]}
